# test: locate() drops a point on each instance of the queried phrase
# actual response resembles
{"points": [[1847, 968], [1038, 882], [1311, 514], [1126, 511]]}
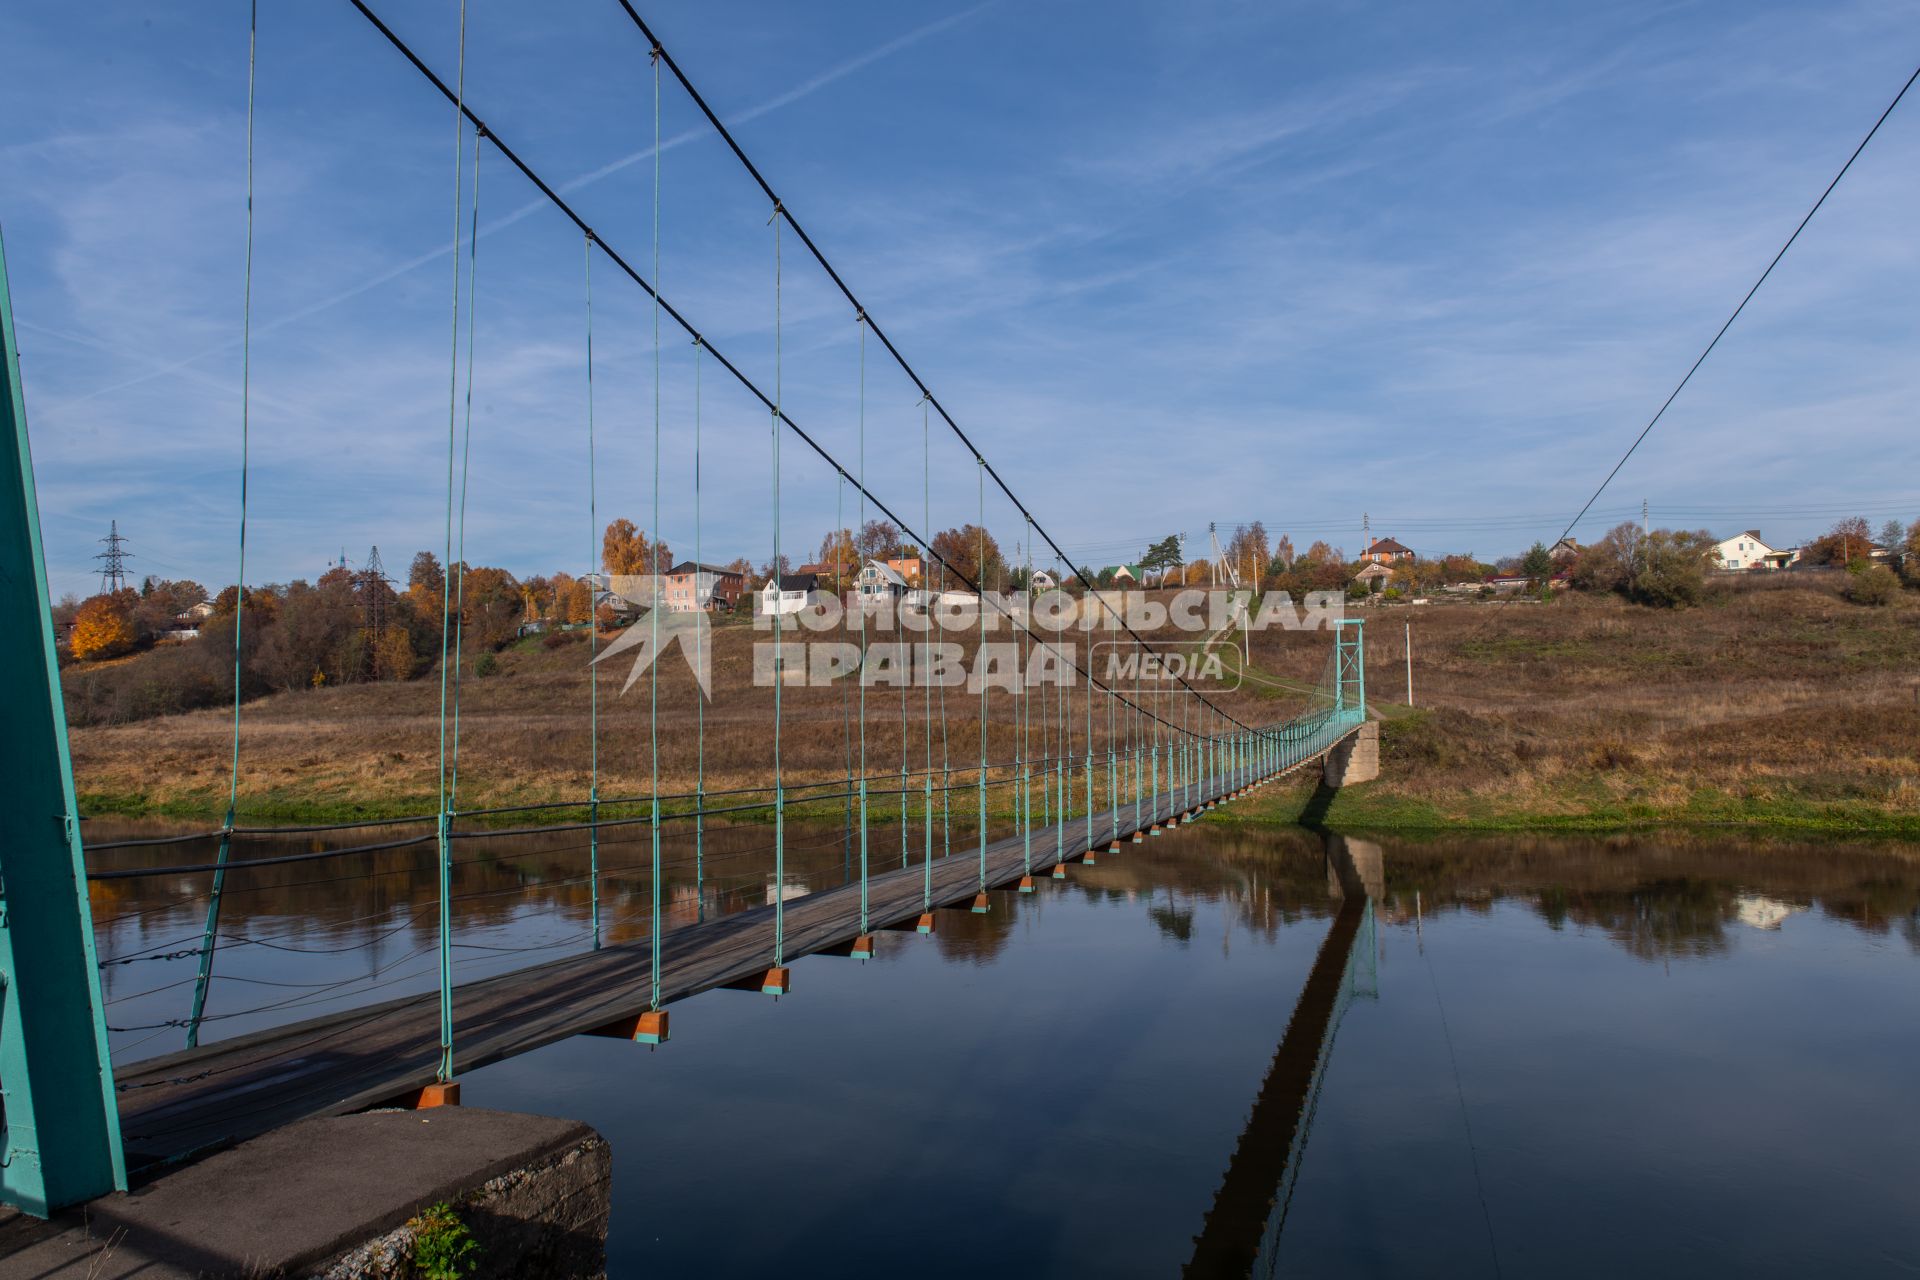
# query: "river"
{"points": [[1663, 1055]]}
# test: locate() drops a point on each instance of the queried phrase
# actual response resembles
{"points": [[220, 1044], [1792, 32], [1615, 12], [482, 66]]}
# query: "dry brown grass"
{"points": [[1780, 694]]}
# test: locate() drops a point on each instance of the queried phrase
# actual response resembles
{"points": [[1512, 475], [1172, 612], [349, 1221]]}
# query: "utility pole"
{"points": [[1409, 662], [113, 569], [1366, 533], [1643, 518]]}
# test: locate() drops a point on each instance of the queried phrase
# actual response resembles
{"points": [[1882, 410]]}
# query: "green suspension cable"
{"points": [[1026, 716], [926, 610], [445, 1071], [699, 703], [846, 694], [466, 457], [779, 675], [210, 940], [979, 658], [593, 627], [861, 321], [1089, 778], [654, 569]]}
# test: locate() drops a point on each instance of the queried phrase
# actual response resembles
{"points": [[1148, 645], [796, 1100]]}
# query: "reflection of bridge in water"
{"points": [[1242, 1232]]}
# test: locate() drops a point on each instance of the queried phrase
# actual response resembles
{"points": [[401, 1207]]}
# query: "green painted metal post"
{"points": [[61, 1124]]}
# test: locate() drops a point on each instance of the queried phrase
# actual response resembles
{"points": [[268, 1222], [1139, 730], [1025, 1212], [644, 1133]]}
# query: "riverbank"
{"points": [[1772, 705]]}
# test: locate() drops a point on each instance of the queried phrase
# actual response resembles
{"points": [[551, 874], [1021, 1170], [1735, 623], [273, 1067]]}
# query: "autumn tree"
{"points": [[393, 655], [624, 549], [877, 540], [1249, 553], [1849, 540], [961, 551], [577, 602], [840, 552], [103, 628]]}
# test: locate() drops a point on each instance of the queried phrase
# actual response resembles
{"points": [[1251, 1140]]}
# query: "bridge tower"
{"points": [[59, 1123], [1350, 669]]}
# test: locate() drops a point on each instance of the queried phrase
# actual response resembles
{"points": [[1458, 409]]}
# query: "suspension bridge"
{"points": [[1078, 770]]}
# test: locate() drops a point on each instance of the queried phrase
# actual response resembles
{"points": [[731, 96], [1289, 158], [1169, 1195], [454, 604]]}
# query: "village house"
{"points": [[790, 596], [692, 588], [1374, 577], [1746, 551], [1387, 551], [908, 567], [1565, 551], [880, 580], [1120, 574], [1043, 581]]}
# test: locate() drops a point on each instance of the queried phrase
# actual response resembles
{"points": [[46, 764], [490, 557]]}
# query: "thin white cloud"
{"points": [[802, 90]]}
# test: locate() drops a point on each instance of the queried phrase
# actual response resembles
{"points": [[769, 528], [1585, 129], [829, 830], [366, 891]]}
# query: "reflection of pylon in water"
{"points": [[113, 568], [371, 582]]}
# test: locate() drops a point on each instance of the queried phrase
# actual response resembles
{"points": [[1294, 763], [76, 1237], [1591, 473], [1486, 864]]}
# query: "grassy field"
{"points": [[1767, 706], [1775, 705]]}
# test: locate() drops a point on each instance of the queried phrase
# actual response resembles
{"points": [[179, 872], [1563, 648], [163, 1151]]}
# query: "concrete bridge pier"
{"points": [[1355, 758]]}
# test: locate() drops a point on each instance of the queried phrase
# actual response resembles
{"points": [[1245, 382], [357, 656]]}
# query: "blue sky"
{"points": [[1166, 264]]}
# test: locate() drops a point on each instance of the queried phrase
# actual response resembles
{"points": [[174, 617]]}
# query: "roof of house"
{"points": [[886, 573], [1374, 571], [1388, 546], [1131, 570], [689, 566], [1751, 535], [799, 581]]}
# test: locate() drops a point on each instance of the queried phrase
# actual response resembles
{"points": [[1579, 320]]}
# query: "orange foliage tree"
{"points": [[101, 629]]}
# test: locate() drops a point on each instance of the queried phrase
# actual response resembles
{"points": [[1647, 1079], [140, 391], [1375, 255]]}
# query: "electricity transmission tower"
{"points": [[113, 567], [372, 583]]}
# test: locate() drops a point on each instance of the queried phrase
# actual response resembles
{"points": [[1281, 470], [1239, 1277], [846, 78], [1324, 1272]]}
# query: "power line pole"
{"points": [[372, 582], [1409, 662], [113, 569]]}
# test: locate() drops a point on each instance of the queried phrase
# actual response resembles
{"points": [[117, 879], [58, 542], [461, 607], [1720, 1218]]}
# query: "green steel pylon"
{"points": [[61, 1125]]}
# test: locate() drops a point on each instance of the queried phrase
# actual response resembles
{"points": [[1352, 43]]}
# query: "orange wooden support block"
{"points": [[1139, 837], [441, 1093], [925, 923], [982, 904], [862, 948], [777, 981], [1059, 871], [641, 1028], [1026, 884], [1114, 847]]}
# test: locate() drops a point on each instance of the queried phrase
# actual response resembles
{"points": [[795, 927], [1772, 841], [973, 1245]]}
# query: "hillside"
{"points": [[1778, 705]]}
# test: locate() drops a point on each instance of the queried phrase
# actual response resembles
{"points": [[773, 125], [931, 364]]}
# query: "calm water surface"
{"points": [[1648, 1056]]}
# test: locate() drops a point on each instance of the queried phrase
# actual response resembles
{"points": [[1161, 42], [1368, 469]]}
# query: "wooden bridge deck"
{"points": [[187, 1103]]}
